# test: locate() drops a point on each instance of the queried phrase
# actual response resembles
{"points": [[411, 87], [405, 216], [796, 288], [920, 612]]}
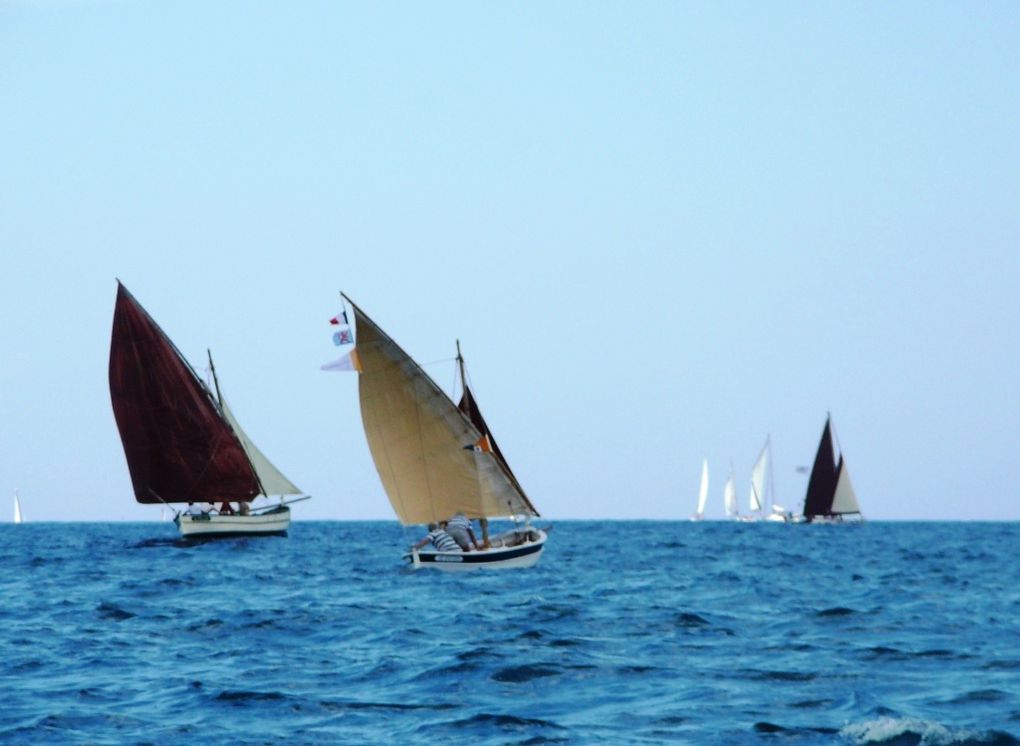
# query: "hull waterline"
{"points": [[272, 523], [514, 553]]}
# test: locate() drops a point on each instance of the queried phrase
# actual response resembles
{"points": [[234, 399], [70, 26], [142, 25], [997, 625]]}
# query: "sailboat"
{"points": [[18, 517], [182, 442], [830, 495], [436, 458], [702, 492], [730, 497], [761, 500]]}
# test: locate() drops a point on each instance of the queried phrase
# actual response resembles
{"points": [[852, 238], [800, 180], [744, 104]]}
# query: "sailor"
{"points": [[225, 508], [243, 508], [459, 527], [441, 540], [193, 510]]}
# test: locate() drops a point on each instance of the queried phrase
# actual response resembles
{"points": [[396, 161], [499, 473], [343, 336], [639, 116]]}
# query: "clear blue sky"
{"points": [[661, 232]]}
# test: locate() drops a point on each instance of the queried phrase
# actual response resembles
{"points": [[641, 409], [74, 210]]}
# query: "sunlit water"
{"points": [[634, 632]]}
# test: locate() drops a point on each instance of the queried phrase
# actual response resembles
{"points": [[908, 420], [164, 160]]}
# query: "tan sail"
{"points": [[425, 449]]}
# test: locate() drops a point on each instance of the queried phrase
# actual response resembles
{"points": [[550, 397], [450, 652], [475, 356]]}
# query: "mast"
{"points": [[216, 381], [460, 367]]}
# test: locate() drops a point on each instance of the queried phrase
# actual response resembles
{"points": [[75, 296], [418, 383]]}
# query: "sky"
{"points": [[662, 232]]}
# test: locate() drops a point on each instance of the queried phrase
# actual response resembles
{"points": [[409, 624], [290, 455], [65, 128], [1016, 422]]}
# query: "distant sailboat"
{"points": [[436, 458], [702, 492], [756, 498], [181, 441], [18, 517], [830, 495], [761, 500], [730, 497]]}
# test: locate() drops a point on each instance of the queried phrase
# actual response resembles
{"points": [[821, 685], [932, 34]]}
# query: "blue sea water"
{"points": [[626, 632]]}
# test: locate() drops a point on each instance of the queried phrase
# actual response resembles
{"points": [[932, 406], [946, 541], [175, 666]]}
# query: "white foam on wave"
{"points": [[886, 729]]}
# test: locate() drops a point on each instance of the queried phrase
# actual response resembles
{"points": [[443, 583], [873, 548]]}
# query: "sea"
{"points": [[626, 632]]}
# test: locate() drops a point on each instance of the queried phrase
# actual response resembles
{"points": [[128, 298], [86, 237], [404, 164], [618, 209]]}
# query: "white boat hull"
{"points": [[514, 549], [272, 523]]}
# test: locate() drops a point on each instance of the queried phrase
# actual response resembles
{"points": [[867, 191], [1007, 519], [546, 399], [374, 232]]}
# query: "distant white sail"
{"points": [[756, 500], [272, 479], [18, 517], [845, 500], [703, 492], [730, 497]]}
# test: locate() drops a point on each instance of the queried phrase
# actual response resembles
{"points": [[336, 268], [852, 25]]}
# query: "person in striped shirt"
{"points": [[459, 527], [441, 540]]}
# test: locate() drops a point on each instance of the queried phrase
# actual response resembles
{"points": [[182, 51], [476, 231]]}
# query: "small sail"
{"points": [[178, 446], [271, 478], [730, 497], [845, 500], [703, 490], [756, 500], [18, 517], [424, 447]]}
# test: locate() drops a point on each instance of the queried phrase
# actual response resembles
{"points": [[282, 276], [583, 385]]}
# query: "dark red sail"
{"points": [[178, 446], [469, 407], [822, 484]]}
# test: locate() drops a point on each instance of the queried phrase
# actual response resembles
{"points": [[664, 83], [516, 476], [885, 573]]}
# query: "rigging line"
{"points": [[160, 498], [440, 360]]}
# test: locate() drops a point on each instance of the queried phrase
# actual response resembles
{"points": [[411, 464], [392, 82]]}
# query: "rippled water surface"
{"points": [[633, 632]]}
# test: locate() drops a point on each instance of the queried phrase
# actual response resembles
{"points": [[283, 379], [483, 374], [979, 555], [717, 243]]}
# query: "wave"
{"points": [[521, 674], [837, 611], [113, 612], [917, 732]]}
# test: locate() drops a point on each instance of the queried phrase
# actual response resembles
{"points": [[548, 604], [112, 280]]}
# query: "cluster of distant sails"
{"points": [[830, 496]]}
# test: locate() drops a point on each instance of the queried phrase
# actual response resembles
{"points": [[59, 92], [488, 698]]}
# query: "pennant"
{"points": [[343, 337], [484, 445], [350, 361], [340, 318]]}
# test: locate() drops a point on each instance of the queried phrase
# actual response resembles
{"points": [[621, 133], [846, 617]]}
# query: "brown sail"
{"points": [[469, 407], [178, 446]]}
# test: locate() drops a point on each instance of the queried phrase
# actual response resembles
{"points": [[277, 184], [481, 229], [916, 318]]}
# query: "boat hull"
{"points": [[514, 549], [272, 523]]}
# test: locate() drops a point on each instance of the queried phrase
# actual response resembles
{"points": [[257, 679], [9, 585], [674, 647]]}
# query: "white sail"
{"points": [[703, 491], [730, 496], [756, 500], [845, 500], [273, 481], [18, 517]]}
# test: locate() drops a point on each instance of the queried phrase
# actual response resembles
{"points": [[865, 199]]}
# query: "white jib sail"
{"points": [[730, 496], [756, 500], [845, 500], [272, 479], [703, 491], [18, 518]]}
